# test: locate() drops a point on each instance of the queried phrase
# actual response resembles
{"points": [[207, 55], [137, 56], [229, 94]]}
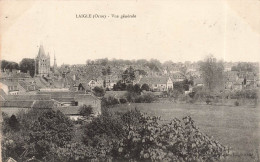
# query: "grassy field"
{"points": [[236, 127]]}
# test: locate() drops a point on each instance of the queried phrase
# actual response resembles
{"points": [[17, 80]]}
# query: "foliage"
{"points": [[85, 110], [145, 87], [13, 123], [40, 131], [100, 92], [110, 100], [119, 86], [212, 73], [244, 94], [244, 66], [236, 103], [130, 136], [137, 98], [9, 65], [27, 64], [134, 136], [128, 75]]}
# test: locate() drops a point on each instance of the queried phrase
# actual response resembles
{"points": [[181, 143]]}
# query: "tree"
{"points": [[145, 87], [130, 88], [128, 75], [85, 110], [26, 65], [99, 91], [119, 86], [109, 70], [212, 74], [9, 65], [41, 132], [137, 89], [14, 123]]}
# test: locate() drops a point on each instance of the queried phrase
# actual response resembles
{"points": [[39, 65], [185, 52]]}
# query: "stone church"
{"points": [[42, 63]]}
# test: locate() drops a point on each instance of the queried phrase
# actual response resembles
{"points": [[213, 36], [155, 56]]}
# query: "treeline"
{"points": [[49, 135], [26, 65], [153, 64]]}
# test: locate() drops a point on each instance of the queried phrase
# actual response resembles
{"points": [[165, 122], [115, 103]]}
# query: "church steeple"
{"points": [[42, 62], [55, 64], [41, 52]]}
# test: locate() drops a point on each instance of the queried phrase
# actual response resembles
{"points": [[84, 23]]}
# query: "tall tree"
{"points": [[212, 73], [26, 65]]}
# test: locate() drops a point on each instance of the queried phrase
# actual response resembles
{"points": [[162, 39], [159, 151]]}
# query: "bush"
{"points": [[122, 100], [40, 132], [144, 98], [236, 103], [134, 136], [85, 110], [109, 101], [100, 92]]}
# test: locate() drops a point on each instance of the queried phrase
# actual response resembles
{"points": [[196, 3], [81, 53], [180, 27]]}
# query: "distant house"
{"points": [[11, 87], [157, 83], [238, 85], [110, 81], [96, 83], [177, 77]]}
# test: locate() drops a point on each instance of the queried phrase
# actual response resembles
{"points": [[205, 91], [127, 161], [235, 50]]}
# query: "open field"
{"points": [[236, 127]]}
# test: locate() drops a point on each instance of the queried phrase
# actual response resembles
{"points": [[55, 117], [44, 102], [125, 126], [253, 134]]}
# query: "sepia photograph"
{"points": [[129, 81]]}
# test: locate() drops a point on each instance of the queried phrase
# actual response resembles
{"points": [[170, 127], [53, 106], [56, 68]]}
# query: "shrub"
{"points": [[100, 92], [236, 103], [122, 100], [40, 131], [85, 110], [134, 136]]}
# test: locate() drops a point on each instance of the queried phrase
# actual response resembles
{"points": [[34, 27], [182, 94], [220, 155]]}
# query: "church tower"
{"points": [[42, 63], [55, 65]]}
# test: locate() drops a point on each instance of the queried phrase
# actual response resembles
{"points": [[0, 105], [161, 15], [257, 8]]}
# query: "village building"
{"points": [[42, 63], [157, 83]]}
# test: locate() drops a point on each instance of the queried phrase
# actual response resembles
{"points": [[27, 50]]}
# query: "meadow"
{"points": [[234, 126]]}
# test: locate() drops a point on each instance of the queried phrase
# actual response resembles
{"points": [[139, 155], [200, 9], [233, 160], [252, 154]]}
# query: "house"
{"points": [[157, 83], [111, 80], [177, 77], [238, 85], [11, 87], [95, 83], [88, 99]]}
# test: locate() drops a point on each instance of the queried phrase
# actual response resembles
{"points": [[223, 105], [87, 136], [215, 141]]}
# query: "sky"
{"points": [[176, 30]]}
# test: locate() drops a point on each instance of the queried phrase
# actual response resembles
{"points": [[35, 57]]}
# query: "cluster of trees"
{"points": [[9, 65], [133, 94], [35, 133], [25, 65], [245, 66], [128, 75], [131, 136]]}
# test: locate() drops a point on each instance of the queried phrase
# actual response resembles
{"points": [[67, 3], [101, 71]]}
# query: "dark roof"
{"points": [[153, 80], [44, 104], [85, 96], [22, 104], [41, 52], [71, 110], [61, 94], [9, 83], [27, 97]]}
